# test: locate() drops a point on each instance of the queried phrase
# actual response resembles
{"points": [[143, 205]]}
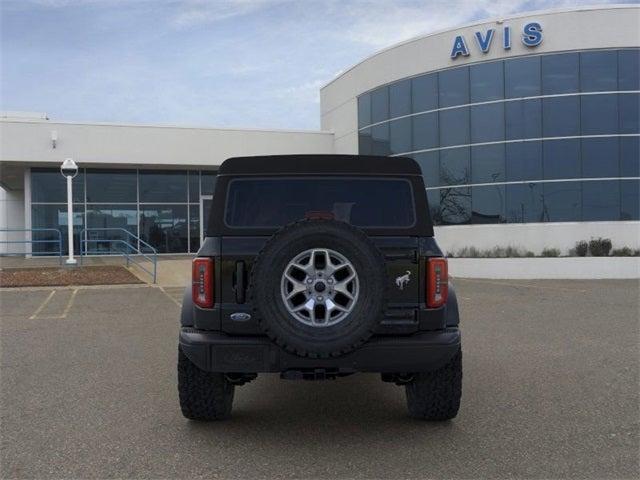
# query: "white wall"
{"points": [[11, 216], [108, 144], [536, 236], [576, 29]]}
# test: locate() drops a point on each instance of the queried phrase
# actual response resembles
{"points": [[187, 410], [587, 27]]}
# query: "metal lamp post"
{"points": [[69, 169]]}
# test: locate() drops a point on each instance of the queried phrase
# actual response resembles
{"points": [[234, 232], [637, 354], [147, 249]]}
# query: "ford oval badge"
{"points": [[240, 317]]}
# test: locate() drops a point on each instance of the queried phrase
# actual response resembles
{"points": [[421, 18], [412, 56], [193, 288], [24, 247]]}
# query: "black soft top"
{"points": [[319, 164]]}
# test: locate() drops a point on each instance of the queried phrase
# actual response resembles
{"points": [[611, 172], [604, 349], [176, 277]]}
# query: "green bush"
{"points": [[600, 247], [550, 252], [581, 248], [625, 252]]}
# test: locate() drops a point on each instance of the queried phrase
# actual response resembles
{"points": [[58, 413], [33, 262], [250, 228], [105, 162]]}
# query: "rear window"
{"points": [[364, 202]]}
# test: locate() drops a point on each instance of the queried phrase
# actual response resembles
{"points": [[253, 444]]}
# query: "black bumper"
{"points": [[217, 352]]}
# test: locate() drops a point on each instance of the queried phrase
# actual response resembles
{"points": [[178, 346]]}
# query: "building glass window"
{"points": [[487, 123], [599, 114], [194, 227], [165, 227], [365, 145], [455, 205], [208, 182], [433, 198], [380, 105], [424, 92], [163, 186], [629, 69], [629, 113], [523, 161], [561, 202], [55, 216], [430, 164], [115, 218], [599, 71], [487, 81], [194, 186], [523, 119], [488, 204], [522, 77], [560, 73], [453, 87], [600, 201], [425, 131], [400, 99], [454, 127], [400, 135], [487, 164], [106, 186], [49, 186], [630, 156], [380, 139], [600, 157], [364, 110], [454, 166], [524, 203], [630, 200], [561, 159], [561, 116]]}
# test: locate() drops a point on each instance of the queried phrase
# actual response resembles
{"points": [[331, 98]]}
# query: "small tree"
{"points": [[581, 248]]}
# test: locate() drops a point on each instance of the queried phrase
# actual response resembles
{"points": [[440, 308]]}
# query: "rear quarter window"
{"points": [[363, 202]]}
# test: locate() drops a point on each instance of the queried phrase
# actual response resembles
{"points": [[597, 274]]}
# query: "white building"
{"points": [[526, 129]]}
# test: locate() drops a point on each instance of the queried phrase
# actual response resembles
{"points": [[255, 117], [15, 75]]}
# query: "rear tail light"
{"points": [[437, 282], [202, 282]]}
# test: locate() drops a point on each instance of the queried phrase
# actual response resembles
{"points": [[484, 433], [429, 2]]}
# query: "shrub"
{"points": [[600, 247], [550, 252], [581, 248], [624, 252]]}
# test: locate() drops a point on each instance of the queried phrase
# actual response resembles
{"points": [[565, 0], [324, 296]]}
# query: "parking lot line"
{"points": [[42, 305], [170, 297]]}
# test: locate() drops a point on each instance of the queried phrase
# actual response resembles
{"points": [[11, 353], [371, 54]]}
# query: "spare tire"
{"points": [[317, 288]]}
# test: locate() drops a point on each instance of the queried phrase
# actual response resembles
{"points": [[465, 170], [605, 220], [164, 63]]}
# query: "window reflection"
{"points": [[453, 87], [522, 77], [454, 127], [424, 92], [524, 203], [430, 164], [561, 116], [523, 119], [455, 168], [163, 186], [487, 81], [630, 200], [106, 185], [487, 164], [560, 73], [600, 201], [629, 69], [488, 204], [598, 71], [561, 202], [55, 216], [599, 114], [400, 99], [629, 113], [380, 104], [400, 136], [49, 186], [364, 110], [561, 159], [596, 157], [487, 123], [523, 161], [380, 140], [113, 218], [425, 131], [455, 205], [165, 227]]}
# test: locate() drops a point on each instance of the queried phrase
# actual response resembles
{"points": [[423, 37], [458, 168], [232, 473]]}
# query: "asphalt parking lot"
{"points": [[551, 380]]}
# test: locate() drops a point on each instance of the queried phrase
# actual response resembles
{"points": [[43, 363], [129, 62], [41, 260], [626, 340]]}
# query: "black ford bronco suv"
{"points": [[316, 267]]}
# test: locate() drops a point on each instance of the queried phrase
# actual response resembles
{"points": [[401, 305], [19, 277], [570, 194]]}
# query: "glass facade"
{"points": [[544, 138], [162, 207]]}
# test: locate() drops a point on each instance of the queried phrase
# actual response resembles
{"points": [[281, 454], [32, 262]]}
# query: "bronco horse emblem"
{"points": [[402, 280]]}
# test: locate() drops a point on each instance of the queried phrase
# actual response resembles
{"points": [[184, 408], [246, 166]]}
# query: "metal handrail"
{"points": [[32, 241], [137, 251]]}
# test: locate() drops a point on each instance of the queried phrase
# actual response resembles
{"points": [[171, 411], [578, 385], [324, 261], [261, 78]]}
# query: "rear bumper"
{"points": [[217, 352]]}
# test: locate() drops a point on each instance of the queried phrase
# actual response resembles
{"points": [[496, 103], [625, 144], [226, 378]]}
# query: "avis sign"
{"points": [[531, 37]]}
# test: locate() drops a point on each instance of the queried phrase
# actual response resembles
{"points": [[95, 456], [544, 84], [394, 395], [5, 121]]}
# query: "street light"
{"points": [[69, 169]]}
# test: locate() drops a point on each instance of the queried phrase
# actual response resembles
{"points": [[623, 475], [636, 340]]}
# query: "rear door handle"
{"points": [[240, 282]]}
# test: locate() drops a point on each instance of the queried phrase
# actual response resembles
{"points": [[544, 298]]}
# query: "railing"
{"points": [[129, 251], [31, 241]]}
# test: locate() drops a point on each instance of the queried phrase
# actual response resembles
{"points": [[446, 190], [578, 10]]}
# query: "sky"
{"points": [[217, 63]]}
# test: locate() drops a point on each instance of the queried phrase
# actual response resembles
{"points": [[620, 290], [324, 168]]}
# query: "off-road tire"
{"points": [[436, 395], [203, 395], [269, 309]]}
